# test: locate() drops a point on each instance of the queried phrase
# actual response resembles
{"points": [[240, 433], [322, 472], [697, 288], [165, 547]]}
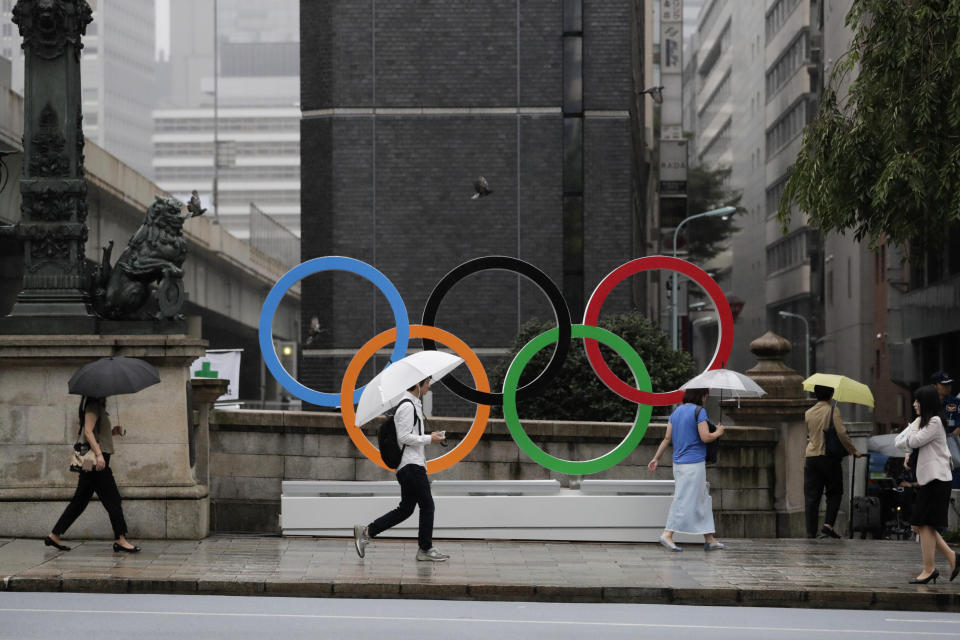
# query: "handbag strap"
{"points": [[83, 416], [82, 412], [829, 423], [696, 414]]}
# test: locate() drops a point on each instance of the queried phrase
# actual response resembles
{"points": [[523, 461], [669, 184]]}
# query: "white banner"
{"points": [[223, 364]]}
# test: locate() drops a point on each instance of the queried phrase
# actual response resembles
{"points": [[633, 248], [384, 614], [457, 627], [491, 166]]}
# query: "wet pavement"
{"points": [[849, 574]]}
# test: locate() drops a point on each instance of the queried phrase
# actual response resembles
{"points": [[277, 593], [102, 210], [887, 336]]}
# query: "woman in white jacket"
{"points": [[934, 475]]}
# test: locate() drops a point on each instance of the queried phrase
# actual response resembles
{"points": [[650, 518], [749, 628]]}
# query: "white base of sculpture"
{"points": [[601, 510]]}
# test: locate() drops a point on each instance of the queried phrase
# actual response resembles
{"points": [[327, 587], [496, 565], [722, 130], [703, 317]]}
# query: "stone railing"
{"points": [[252, 452]]}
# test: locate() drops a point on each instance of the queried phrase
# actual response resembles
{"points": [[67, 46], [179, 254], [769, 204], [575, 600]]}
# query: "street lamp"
{"points": [[215, 196], [724, 212], [806, 329]]}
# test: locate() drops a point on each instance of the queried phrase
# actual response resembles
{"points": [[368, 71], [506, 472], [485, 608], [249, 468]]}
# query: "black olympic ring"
{"points": [[560, 311]]}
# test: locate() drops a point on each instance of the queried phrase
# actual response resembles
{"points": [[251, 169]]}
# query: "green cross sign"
{"points": [[206, 372]]}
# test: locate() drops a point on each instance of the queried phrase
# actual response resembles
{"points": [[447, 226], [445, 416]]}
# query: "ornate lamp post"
{"points": [[52, 230]]}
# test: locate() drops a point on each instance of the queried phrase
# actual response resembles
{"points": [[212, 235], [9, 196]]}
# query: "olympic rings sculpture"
{"points": [[592, 335]]}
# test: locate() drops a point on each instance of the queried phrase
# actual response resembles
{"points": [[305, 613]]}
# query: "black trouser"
{"points": [[819, 473], [105, 486], [414, 491]]}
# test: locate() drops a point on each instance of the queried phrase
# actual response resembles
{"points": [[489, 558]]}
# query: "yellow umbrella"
{"points": [[844, 389]]}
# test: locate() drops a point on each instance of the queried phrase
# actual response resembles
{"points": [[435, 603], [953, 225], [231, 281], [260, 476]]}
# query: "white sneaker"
{"points": [[431, 555], [360, 539]]}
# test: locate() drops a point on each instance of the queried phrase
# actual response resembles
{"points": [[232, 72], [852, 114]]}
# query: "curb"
{"points": [[817, 598]]}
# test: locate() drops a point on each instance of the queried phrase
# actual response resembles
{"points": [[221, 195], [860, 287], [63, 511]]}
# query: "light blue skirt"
{"points": [[692, 507]]}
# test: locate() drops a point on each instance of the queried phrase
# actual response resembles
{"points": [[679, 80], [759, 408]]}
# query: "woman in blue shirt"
{"points": [[692, 509]]}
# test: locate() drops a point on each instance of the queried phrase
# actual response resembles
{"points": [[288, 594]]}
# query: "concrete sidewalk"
{"points": [[849, 574]]}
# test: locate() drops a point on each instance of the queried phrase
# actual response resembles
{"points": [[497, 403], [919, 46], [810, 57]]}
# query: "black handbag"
{"points": [[713, 446], [834, 448]]}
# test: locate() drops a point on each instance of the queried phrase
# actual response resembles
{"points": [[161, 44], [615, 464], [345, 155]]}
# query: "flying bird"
{"points": [[481, 187]]}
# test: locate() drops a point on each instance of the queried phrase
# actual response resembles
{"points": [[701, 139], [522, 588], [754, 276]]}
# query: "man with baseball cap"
{"points": [[951, 410], [951, 403]]}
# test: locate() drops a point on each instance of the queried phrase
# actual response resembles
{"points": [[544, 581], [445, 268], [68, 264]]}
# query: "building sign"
{"points": [[673, 167], [671, 46], [671, 10], [673, 147]]}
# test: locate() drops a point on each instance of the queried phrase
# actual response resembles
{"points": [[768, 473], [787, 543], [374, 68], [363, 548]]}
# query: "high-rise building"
{"points": [[726, 117], [406, 104], [792, 37], [247, 109], [118, 85]]}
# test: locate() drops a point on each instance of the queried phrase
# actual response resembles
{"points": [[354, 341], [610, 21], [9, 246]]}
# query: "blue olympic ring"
{"points": [[304, 269]]}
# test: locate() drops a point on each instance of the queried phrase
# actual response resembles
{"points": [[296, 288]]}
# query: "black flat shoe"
{"points": [[50, 543], [930, 578], [117, 549], [956, 566]]}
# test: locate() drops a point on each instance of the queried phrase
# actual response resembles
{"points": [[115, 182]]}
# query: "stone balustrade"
{"points": [[253, 452]]}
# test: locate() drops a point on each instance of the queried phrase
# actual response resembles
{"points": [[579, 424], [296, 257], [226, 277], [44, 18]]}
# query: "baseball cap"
{"points": [[941, 377]]}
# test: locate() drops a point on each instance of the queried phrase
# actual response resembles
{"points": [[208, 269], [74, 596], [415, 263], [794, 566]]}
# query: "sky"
{"points": [[163, 25]]}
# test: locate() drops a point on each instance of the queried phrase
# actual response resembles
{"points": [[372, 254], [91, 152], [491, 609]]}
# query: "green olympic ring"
{"points": [[538, 455]]}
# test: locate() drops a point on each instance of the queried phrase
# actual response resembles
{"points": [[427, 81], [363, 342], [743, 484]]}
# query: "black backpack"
{"points": [[390, 450]]}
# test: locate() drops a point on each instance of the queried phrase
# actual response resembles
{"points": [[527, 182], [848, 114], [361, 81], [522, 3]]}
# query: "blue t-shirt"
{"points": [[688, 448]]}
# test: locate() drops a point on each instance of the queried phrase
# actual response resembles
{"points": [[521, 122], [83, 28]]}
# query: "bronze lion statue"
{"points": [[146, 283]]}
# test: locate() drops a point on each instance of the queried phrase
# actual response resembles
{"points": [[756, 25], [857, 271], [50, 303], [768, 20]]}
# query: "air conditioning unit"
{"points": [[816, 55]]}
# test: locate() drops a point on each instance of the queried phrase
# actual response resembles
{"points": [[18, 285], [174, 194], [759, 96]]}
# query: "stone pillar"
{"points": [[162, 497], [52, 230], [205, 393], [782, 410]]}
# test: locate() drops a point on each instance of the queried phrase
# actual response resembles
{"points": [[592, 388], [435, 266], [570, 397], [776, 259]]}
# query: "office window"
{"points": [[778, 15], [787, 127], [795, 56]]}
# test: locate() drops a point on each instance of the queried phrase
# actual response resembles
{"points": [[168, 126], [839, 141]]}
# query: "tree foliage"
{"points": [[885, 160], [708, 189], [576, 393]]}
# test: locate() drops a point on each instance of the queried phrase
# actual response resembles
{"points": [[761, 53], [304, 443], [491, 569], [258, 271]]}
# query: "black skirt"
{"points": [[932, 505]]}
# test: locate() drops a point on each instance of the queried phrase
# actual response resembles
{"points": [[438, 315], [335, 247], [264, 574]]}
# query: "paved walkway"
{"points": [[851, 574]]}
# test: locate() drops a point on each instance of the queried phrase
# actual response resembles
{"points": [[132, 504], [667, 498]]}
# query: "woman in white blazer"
{"points": [[935, 476]]}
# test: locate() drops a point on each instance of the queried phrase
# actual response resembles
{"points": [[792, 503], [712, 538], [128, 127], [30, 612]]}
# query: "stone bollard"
{"points": [[781, 410], [205, 393]]}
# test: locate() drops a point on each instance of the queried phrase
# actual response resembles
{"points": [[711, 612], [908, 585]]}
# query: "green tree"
{"points": [[577, 393], [708, 189], [884, 161]]}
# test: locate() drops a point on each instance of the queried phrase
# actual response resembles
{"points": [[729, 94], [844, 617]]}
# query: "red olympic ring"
{"points": [[592, 314]]}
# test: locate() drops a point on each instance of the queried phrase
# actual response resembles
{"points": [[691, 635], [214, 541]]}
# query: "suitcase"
{"points": [[865, 516], [865, 513]]}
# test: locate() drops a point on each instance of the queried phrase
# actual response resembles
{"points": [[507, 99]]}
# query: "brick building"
{"points": [[404, 104]]}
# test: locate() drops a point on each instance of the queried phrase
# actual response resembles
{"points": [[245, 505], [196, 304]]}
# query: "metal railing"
{"points": [[272, 238]]}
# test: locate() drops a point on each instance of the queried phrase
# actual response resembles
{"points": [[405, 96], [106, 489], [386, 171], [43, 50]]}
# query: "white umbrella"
{"points": [[883, 444], [384, 391], [726, 382]]}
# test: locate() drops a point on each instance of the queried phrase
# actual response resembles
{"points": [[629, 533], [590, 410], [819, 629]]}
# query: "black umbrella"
{"points": [[112, 376]]}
